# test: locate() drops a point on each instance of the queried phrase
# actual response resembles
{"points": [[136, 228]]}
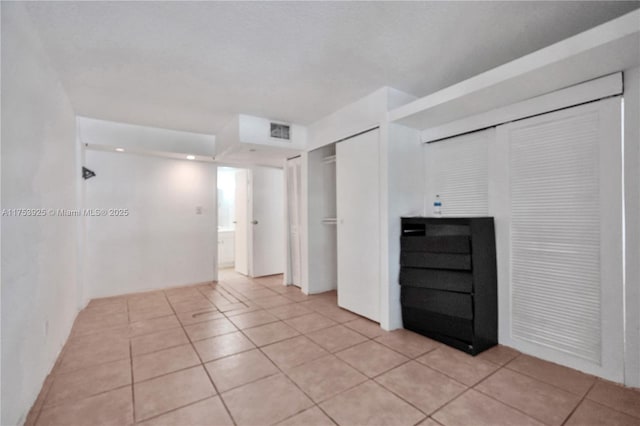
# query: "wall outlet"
{"points": [[198, 209]]}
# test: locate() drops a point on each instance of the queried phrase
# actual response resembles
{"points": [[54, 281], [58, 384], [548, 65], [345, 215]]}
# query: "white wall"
{"points": [[39, 170], [162, 242], [632, 231], [401, 189], [356, 117]]}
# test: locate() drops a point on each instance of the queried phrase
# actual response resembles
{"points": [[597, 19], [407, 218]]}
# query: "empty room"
{"points": [[320, 213]]}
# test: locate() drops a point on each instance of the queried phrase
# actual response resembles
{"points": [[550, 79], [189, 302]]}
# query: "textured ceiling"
{"points": [[191, 65]]}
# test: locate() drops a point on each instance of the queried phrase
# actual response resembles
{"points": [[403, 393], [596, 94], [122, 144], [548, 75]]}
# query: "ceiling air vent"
{"points": [[280, 131]]}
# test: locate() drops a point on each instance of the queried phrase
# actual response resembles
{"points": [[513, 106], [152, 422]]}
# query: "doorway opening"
{"points": [[251, 224]]}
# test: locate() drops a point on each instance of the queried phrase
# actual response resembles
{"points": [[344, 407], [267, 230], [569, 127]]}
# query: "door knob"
{"points": [[255, 222]]}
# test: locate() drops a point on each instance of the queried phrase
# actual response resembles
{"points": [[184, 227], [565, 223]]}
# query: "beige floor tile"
{"points": [[429, 422], [111, 408], [475, 408], [89, 381], [311, 417], [253, 319], [270, 333], [315, 303], [310, 322], [266, 401], [162, 362], [372, 358], [554, 374], [539, 400], [258, 293], [107, 308], [34, 412], [325, 377], [295, 296], [144, 314], [177, 295], [590, 413], [90, 323], [194, 317], [289, 311], [365, 327], [164, 393], [293, 352], [498, 354], [370, 404], [221, 346], [199, 304], [237, 308], [463, 367], [93, 350], [158, 341], [240, 369], [407, 342], [203, 330], [421, 386], [617, 397], [272, 301], [153, 325], [211, 411], [336, 338], [337, 314], [103, 301]]}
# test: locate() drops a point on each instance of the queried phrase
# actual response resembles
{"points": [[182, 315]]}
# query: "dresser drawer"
{"points": [[437, 279], [435, 260], [429, 323], [442, 244], [457, 305]]}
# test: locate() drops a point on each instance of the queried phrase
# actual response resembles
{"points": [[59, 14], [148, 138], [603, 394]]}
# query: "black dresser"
{"points": [[448, 280]]}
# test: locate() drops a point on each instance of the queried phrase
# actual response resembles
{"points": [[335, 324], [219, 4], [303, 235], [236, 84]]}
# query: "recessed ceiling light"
{"points": [[120, 149], [191, 157]]}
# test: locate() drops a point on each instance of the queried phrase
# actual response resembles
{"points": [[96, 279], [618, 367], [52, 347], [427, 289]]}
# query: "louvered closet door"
{"points": [[457, 170], [565, 209]]}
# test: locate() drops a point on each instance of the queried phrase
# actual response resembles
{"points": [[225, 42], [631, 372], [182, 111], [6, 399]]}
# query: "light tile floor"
{"points": [[254, 352]]}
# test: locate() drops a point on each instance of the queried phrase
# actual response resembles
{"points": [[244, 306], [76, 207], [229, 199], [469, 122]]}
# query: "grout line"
{"points": [[82, 398], [579, 403], [203, 366], [475, 388], [155, 416]]}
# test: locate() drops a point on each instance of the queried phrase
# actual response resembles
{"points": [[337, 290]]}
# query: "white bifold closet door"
{"points": [[358, 214], [556, 192]]}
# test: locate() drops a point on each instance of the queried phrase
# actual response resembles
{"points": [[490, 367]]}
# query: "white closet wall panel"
{"points": [[457, 170], [555, 234], [564, 209]]}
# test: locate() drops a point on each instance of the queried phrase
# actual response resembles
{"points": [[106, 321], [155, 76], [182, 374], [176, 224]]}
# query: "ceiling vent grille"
{"points": [[281, 131]]}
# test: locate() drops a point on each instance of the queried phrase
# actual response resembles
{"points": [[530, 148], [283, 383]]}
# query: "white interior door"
{"points": [[357, 198], [294, 214], [242, 221], [557, 199], [266, 224]]}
